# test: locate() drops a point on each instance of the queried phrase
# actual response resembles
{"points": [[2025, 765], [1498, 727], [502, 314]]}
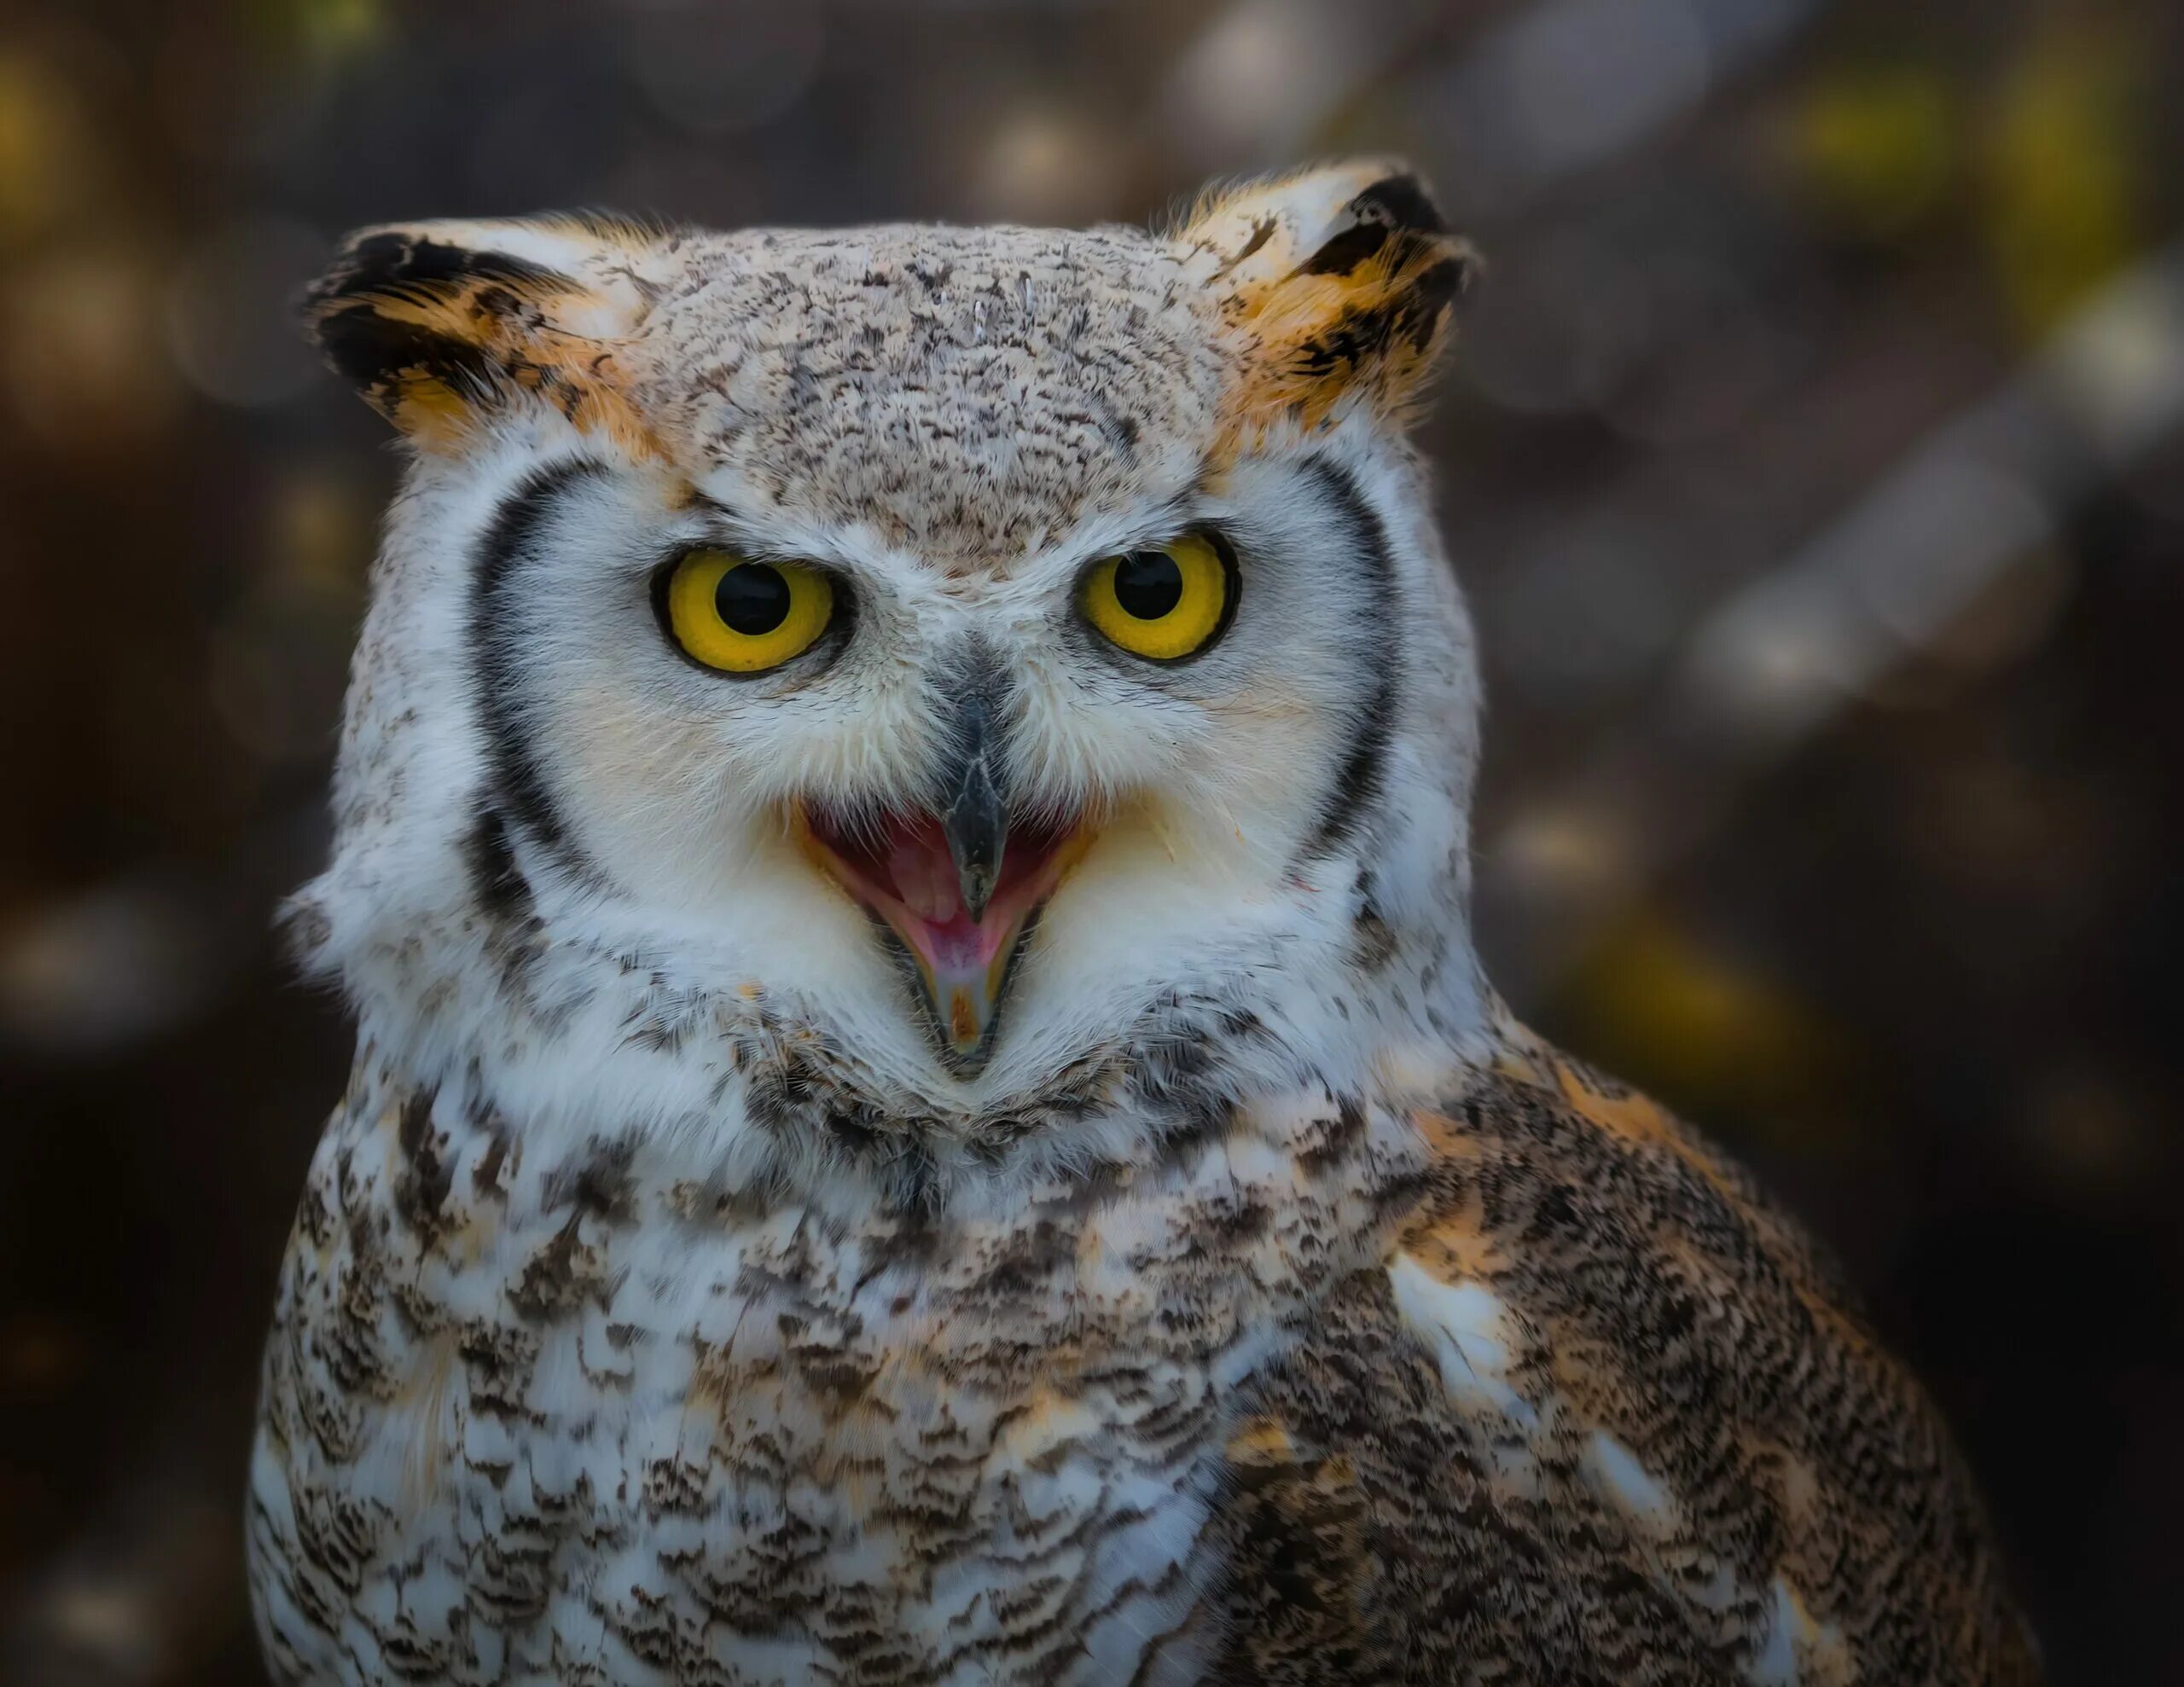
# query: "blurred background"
{"points": [[1813, 458]]}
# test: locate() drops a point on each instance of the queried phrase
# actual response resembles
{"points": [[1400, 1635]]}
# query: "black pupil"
{"points": [[1148, 584], [751, 597]]}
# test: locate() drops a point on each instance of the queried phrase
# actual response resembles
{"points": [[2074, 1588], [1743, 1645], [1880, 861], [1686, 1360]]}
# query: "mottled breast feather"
{"points": [[1532, 1387]]}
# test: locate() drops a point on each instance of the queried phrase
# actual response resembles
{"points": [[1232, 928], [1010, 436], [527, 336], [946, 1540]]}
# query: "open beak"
{"points": [[960, 892]]}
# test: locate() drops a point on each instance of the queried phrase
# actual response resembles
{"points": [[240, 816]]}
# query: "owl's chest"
{"points": [[619, 1428], [810, 1448]]}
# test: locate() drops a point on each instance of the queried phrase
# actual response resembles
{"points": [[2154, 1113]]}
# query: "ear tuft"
{"points": [[443, 326], [1338, 284]]}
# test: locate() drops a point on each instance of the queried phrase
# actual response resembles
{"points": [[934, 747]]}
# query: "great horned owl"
{"points": [[924, 1109]]}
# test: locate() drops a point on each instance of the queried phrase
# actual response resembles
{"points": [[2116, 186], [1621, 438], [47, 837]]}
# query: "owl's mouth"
{"points": [[960, 913]]}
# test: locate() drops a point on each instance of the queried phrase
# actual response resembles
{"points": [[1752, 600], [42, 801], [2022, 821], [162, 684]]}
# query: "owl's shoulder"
{"points": [[1602, 1412]]}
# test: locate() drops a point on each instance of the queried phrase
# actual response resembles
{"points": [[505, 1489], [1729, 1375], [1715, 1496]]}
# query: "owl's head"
{"points": [[957, 667]]}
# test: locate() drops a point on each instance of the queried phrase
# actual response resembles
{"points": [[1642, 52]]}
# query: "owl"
{"points": [[926, 1110]]}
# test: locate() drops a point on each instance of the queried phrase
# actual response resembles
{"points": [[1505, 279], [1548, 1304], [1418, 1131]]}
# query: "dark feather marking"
{"points": [[365, 348], [518, 772], [1364, 333], [1401, 201], [1261, 232], [597, 1180], [551, 1285], [1357, 783], [427, 1175], [368, 347], [1346, 251], [496, 880], [419, 268]]}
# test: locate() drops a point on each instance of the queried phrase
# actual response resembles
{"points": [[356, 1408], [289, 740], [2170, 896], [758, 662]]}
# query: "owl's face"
{"points": [[970, 649]]}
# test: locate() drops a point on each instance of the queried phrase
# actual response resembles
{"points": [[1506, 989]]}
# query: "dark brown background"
{"points": [[1813, 459]]}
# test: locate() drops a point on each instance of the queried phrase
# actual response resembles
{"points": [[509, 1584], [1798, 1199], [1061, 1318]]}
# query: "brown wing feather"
{"points": [[1605, 1417]]}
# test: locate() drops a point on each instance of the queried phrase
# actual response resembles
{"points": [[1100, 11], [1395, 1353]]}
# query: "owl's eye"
{"points": [[742, 616], [1162, 604]]}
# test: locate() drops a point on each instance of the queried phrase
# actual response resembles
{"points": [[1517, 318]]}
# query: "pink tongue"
{"points": [[925, 879], [960, 947]]}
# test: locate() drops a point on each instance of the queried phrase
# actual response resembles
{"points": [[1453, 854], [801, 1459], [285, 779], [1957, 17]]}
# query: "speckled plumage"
{"points": [[662, 1308]]}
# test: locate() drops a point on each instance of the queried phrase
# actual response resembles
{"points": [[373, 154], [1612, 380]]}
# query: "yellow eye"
{"points": [[741, 616], [1162, 604]]}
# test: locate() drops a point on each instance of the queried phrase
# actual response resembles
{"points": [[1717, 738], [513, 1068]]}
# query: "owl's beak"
{"points": [[958, 892], [976, 825]]}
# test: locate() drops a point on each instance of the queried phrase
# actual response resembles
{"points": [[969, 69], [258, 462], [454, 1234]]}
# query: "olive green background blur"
{"points": [[1813, 458]]}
